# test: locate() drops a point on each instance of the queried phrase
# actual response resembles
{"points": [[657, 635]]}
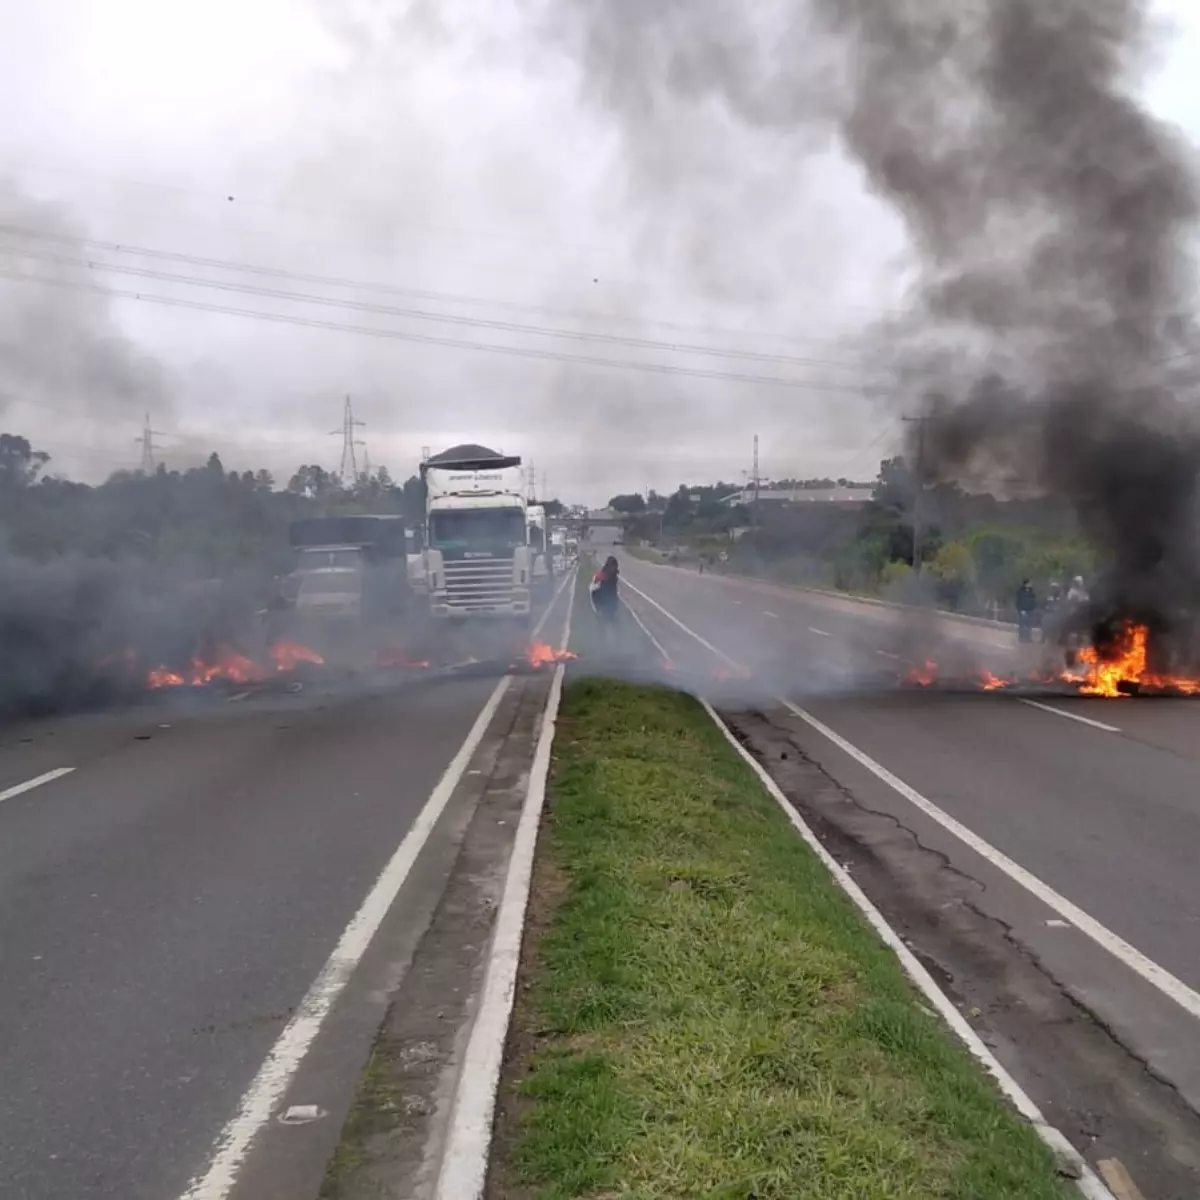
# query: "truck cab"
{"points": [[477, 558]]}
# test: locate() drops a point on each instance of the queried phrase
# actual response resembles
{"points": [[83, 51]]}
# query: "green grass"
{"points": [[711, 1016]]}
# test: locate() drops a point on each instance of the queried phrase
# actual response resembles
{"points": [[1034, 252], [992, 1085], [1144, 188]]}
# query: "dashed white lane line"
{"points": [[1062, 712], [637, 591], [269, 1086], [643, 627], [20, 789], [1125, 953], [887, 654], [819, 632], [768, 613]]}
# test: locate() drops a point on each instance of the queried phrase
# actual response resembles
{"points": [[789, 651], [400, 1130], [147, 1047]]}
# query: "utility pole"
{"points": [[349, 468], [146, 441], [754, 511], [918, 477]]}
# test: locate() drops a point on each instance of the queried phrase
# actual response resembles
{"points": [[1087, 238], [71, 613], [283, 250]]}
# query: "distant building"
{"points": [[842, 496]]}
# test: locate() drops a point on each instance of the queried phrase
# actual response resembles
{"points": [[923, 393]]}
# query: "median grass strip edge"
{"points": [[704, 1013]]}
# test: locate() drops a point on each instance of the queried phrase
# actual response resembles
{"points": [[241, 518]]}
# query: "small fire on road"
{"points": [[540, 654], [1118, 670], [230, 666]]}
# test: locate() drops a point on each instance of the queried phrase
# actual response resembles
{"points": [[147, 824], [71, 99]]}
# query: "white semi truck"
{"points": [[541, 571], [477, 556]]}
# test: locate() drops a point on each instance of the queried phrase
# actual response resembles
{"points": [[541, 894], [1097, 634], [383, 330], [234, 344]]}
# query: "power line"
{"points": [[425, 315], [388, 289], [225, 199], [450, 343]]}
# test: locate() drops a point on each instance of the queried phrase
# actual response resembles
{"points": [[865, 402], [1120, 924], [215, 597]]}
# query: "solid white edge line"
{"points": [[275, 1075], [19, 789], [1121, 950], [1088, 1182], [1062, 712], [643, 627], [466, 1154]]}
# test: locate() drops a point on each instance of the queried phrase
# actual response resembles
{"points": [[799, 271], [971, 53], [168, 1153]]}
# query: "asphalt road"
{"points": [[165, 907], [1099, 800]]}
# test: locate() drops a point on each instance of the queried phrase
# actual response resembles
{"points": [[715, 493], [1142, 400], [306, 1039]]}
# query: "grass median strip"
{"points": [[704, 1014]]}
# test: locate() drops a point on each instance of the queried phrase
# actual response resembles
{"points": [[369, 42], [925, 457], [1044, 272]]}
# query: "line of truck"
{"points": [[485, 553]]}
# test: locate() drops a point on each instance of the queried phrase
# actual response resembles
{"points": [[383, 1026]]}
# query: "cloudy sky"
{"points": [[232, 214]]}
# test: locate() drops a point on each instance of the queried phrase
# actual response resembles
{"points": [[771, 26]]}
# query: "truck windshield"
{"points": [[477, 529], [331, 583], [313, 560]]}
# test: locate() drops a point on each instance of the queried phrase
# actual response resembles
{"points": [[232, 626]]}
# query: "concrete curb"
{"points": [[467, 1149]]}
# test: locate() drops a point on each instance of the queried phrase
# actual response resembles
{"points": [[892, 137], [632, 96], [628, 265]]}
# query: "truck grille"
{"points": [[480, 584]]}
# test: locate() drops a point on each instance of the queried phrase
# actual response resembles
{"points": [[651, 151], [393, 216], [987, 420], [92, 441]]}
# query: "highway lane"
{"points": [[1110, 821], [166, 906]]}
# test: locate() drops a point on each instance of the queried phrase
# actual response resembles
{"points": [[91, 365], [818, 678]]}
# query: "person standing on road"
{"points": [[1026, 611], [605, 599]]}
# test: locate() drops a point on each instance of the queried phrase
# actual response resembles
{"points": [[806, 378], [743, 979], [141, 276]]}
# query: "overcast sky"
{"points": [[425, 158]]}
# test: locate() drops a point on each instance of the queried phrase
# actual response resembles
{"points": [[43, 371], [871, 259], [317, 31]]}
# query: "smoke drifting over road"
{"points": [[76, 632], [1047, 210]]}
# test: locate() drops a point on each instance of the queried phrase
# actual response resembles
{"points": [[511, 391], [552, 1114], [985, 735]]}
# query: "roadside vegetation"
{"points": [[704, 1014], [975, 549]]}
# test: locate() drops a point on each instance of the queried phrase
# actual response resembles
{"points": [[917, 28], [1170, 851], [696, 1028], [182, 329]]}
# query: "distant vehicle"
{"points": [[348, 567]]}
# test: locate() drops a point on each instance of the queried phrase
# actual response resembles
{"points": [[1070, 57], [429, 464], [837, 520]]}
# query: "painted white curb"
{"points": [[1088, 1182], [465, 1155]]}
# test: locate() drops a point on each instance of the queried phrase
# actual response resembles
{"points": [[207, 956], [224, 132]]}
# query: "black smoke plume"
{"points": [[1050, 333]]}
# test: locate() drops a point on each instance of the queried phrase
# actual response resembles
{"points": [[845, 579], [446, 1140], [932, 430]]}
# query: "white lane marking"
{"points": [[690, 632], [463, 1174], [768, 613], [887, 654], [819, 632], [1062, 712], [1088, 1182], [735, 602], [29, 784], [276, 1073], [643, 627], [1130, 956], [1120, 949]]}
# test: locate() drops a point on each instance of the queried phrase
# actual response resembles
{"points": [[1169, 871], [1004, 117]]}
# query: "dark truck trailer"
{"points": [[353, 566]]}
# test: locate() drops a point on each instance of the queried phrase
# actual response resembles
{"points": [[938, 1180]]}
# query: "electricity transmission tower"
{"points": [[349, 468], [146, 441]]}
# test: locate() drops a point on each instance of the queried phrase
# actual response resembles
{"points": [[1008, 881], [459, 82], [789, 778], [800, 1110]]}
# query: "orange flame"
{"points": [[540, 654], [389, 656], [923, 676], [990, 682], [1126, 664], [229, 665], [287, 656]]}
